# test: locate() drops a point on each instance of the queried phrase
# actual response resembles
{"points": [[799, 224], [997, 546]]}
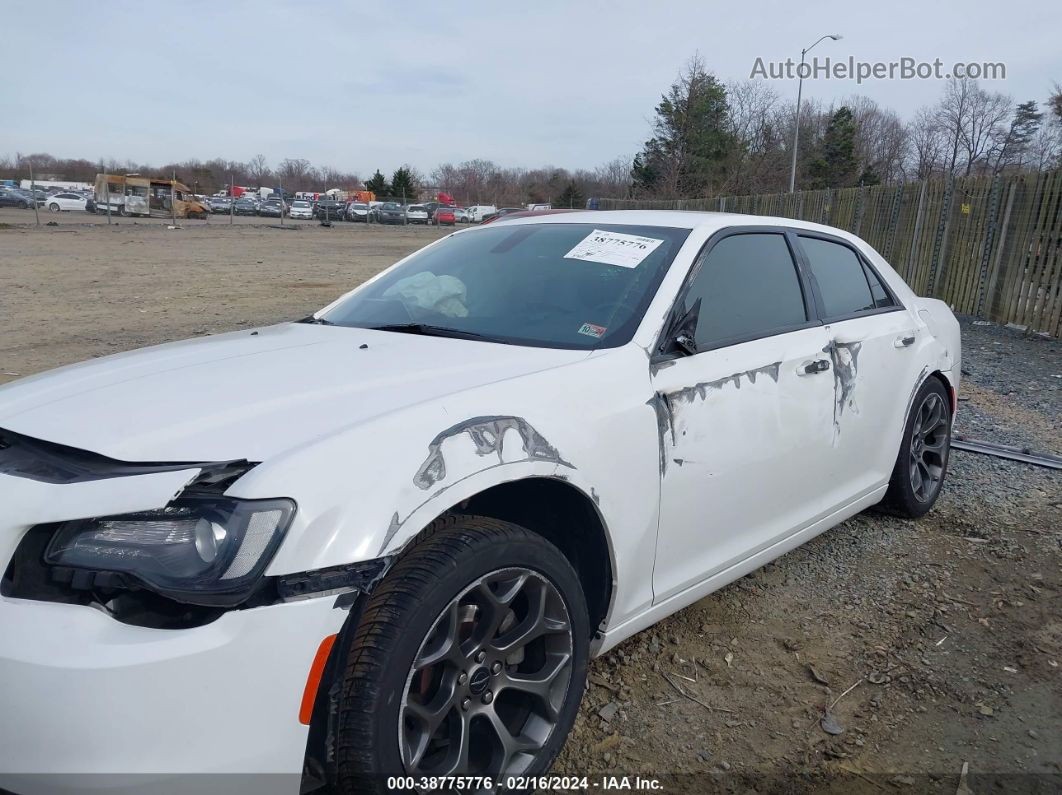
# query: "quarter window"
{"points": [[747, 287], [839, 274], [877, 290]]}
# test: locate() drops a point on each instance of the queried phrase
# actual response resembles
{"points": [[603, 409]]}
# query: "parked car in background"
{"points": [[12, 198], [391, 213], [66, 201], [494, 216], [444, 216], [300, 208], [417, 214], [245, 206], [478, 211], [358, 211], [330, 209], [219, 204], [273, 208], [471, 456], [431, 207], [461, 215]]}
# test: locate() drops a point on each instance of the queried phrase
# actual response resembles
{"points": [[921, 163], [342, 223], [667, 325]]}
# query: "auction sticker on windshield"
{"points": [[614, 248]]}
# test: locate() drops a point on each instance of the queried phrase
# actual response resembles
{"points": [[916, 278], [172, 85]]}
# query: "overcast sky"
{"points": [[376, 84]]}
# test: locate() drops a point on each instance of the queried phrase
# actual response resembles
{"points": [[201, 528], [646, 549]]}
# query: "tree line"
{"points": [[711, 138], [708, 138]]}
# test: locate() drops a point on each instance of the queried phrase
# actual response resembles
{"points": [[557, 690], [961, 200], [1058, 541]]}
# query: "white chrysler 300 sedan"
{"points": [[386, 539]]}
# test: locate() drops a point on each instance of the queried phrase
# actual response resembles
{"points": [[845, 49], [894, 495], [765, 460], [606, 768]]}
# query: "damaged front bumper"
{"points": [[93, 703]]}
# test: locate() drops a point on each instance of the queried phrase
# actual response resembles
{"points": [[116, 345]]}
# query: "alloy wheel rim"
{"points": [[929, 447], [486, 688]]}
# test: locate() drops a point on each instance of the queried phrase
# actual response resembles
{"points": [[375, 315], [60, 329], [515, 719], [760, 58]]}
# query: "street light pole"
{"points": [[796, 121]]}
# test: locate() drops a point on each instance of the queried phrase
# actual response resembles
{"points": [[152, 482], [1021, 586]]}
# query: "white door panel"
{"points": [[876, 371], [746, 445]]}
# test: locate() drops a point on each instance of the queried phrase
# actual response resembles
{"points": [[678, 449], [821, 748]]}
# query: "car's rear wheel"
{"points": [[470, 659], [922, 462]]}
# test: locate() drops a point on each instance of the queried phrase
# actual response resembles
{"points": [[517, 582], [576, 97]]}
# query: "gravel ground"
{"points": [[1017, 379], [881, 656]]}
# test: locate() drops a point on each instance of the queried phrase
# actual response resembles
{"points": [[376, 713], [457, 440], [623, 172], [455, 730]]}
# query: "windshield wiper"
{"points": [[320, 321], [428, 330]]}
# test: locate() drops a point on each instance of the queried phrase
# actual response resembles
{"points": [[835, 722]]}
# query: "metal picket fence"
{"points": [[988, 246]]}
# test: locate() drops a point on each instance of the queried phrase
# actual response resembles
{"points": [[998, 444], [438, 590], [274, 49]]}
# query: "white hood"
{"points": [[252, 394]]}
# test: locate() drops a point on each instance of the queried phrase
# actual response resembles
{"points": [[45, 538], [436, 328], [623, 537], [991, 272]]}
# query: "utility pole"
{"points": [[796, 121], [280, 187], [173, 197], [33, 193], [107, 195], [232, 198]]}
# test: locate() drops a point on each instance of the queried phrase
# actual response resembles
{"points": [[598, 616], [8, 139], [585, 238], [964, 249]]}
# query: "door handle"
{"points": [[904, 340], [812, 367]]}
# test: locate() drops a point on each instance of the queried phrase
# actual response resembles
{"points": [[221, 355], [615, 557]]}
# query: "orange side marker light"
{"points": [[309, 695]]}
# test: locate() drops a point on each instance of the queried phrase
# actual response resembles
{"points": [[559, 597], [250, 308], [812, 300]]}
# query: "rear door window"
{"points": [[840, 277]]}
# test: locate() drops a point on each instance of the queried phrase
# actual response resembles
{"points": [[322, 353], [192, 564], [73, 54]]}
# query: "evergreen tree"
{"points": [[869, 176], [1054, 102], [402, 186], [378, 185], [571, 197], [836, 166], [686, 155]]}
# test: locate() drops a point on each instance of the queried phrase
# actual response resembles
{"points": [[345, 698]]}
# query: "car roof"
{"points": [[679, 219]]}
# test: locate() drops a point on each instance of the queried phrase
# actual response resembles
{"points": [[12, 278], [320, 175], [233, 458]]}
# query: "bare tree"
{"points": [[1045, 150], [297, 173], [258, 169], [987, 126], [929, 144], [754, 123], [881, 140]]}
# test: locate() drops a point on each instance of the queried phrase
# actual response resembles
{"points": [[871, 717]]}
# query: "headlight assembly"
{"points": [[206, 551]]}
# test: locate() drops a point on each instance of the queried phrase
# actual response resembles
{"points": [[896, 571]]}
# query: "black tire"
{"points": [[405, 612], [904, 497]]}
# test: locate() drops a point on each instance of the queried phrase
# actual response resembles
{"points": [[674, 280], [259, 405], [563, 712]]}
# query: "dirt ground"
{"points": [[882, 656]]}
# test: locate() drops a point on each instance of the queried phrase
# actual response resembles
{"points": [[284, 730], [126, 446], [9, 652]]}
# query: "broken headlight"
{"points": [[208, 551]]}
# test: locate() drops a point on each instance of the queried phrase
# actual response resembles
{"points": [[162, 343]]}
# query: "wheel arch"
{"points": [[949, 387], [552, 507]]}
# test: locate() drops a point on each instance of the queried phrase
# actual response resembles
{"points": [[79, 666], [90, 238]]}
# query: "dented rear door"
{"points": [[876, 355]]}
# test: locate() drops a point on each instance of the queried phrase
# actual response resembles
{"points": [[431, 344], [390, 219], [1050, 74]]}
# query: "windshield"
{"points": [[547, 285], [300, 204]]}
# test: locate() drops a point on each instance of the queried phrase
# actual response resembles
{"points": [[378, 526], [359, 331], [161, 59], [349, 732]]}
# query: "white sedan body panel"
{"points": [[67, 201], [701, 468]]}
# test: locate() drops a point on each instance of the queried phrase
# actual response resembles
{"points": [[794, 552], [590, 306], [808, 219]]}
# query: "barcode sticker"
{"points": [[614, 248]]}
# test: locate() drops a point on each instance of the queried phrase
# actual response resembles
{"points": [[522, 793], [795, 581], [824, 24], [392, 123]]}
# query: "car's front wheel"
{"points": [[470, 659], [54, 207], [922, 462]]}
